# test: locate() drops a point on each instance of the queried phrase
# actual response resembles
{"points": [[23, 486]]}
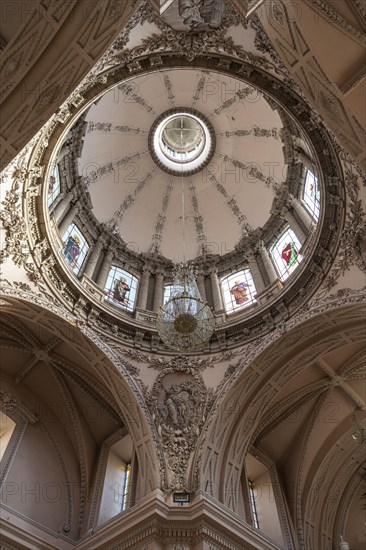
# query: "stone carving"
{"points": [[180, 406], [9, 404], [179, 402], [231, 202], [191, 46], [130, 199], [255, 131], [198, 219], [278, 13], [330, 13], [129, 91], [161, 219], [241, 94], [199, 15], [95, 175], [169, 89], [108, 127], [200, 87], [353, 240], [181, 363]]}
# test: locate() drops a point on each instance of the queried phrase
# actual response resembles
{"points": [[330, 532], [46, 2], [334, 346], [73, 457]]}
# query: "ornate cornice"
{"points": [[14, 408], [238, 331]]}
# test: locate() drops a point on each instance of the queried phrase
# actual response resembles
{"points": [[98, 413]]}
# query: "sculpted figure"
{"points": [[201, 15], [180, 404]]}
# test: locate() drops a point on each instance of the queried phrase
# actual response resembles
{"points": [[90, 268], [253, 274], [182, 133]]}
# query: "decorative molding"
{"points": [[353, 239], [35, 98], [161, 219], [14, 408], [334, 17], [106, 318], [183, 363], [179, 403], [339, 301], [14, 442], [310, 78]]}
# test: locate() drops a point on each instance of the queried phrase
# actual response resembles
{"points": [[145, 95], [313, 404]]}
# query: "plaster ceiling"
{"points": [[54, 379], [222, 202]]}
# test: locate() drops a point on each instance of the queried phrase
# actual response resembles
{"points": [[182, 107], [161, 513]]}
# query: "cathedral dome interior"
{"points": [[141, 139]]}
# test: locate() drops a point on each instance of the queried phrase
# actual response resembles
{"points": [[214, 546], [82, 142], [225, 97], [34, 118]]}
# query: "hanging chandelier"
{"points": [[185, 322]]}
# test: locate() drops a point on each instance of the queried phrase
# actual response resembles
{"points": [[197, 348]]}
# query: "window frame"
{"points": [[253, 506], [284, 271], [54, 196], [110, 286], [125, 493], [76, 269], [228, 296], [312, 205]]}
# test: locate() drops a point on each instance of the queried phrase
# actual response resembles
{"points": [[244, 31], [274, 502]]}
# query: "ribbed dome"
{"points": [[230, 195]]}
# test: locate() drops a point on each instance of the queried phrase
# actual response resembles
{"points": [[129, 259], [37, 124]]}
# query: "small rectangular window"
{"points": [[311, 195], [126, 487], [54, 186], [253, 507]]}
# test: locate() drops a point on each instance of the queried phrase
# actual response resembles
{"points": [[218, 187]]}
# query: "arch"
{"points": [[103, 375], [252, 399], [285, 300]]}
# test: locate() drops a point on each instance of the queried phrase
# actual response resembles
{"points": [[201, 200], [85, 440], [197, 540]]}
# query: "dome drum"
{"points": [[275, 299]]}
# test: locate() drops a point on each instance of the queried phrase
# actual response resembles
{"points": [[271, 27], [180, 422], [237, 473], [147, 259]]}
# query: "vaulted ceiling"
{"points": [[231, 196]]}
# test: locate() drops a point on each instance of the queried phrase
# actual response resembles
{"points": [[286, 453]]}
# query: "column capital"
{"points": [[109, 252]]}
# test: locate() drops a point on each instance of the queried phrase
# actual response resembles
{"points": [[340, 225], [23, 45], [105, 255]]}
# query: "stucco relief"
{"points": [[179, 403], [36, 38], [199, 15], [228, 408], [302, 63]]}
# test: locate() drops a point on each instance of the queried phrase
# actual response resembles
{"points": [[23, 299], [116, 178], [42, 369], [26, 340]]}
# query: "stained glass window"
{"points": [[75, 247], [285, 253], [54, 185], [238, 290], [311, 194], [122, 288]]}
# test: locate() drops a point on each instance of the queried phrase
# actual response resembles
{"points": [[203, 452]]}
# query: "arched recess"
{"points": [[291, 397], [79, 394]]}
